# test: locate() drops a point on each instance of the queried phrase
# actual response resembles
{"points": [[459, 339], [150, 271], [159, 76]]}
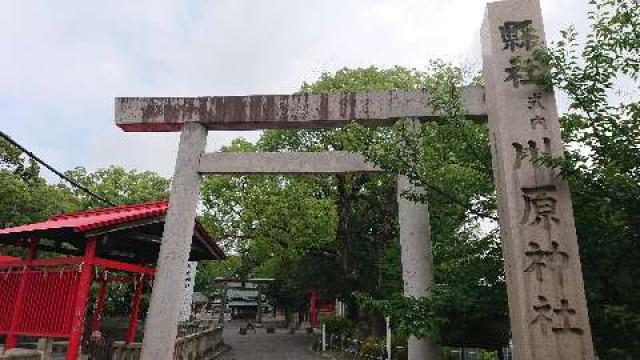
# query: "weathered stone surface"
{"points": [[168, 289], [417, 260], [416, 255], [547, 303], [282, 111], [333, 162]]}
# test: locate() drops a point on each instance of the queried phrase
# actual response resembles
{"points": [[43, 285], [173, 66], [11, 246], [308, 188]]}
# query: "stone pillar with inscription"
{"points": [[547, 304]]}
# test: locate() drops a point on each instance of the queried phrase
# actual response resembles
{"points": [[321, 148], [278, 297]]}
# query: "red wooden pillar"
{"points": [[82, 295], [96, 322], [314, 307], [135, 309], [12, 339]]}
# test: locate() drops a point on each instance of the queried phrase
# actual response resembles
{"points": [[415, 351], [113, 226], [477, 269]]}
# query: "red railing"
{"points": [[46, 294], [49, 295], [9, 283]]}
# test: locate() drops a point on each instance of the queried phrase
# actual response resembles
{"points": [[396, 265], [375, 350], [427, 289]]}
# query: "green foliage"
{"points": [[13, 161], [372, 346], [330, 234], [208, 271], [25, 196], [410, 316], [602, 164], [117, 185], [273, 223], [24, 202], [338, 325], [451, 160]]}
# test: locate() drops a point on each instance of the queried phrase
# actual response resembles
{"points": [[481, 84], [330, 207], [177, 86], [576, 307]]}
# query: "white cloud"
{"points": [[64, 62]]}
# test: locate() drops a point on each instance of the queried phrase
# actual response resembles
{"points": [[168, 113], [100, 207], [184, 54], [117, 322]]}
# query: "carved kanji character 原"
{"points": [[540, 205]]}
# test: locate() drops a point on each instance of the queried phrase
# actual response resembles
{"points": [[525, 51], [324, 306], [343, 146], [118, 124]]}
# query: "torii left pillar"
{"points": [[168, 292]]}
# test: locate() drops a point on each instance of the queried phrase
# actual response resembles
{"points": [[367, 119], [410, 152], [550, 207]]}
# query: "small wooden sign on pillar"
{"points": [[547, 302]]}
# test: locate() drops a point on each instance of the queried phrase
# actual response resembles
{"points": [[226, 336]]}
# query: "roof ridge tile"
{"points": [[117, 209]]}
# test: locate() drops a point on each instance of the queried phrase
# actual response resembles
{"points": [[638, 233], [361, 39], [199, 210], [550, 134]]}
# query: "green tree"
{"points": [[24, 195], [117, 185], [270, 221], [365, 204], [24, 202], [450, 158], [13, 161], [208, 271], [600, 76]]}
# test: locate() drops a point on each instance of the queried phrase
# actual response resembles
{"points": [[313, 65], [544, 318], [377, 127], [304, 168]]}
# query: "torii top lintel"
{"points": [[298, 111]]}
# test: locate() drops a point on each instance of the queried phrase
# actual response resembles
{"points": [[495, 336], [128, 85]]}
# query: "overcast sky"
{"points": [[63, 62]]}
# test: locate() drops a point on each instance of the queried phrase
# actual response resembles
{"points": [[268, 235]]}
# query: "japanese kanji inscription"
{"points": [[547, 304]]}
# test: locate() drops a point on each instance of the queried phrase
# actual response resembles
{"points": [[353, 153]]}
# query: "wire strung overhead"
{"points": [[53, 170]]}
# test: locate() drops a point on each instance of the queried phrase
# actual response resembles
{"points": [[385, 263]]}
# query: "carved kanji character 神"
{"points": [[558, 261], [538, 258]]}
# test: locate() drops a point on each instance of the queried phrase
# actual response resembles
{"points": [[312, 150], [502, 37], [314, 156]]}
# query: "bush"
{"points": [[372, 346], [338, 325]]}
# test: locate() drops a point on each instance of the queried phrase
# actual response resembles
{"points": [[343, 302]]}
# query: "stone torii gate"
{"points": [[415, 232], [547, 304]]}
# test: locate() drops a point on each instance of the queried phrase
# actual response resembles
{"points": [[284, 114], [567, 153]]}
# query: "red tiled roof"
{"points": [[95, 219], [107, 218]]}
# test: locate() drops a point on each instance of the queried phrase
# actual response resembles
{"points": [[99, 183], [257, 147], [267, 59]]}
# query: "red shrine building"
{"points": [[323, 308], [46, 293]]}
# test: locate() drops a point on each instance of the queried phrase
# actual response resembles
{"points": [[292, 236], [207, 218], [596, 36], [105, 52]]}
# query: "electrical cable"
{"points": [[53, 170]]}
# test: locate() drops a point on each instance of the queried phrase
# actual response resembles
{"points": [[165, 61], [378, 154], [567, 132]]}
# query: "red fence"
{"points": [[49, 298], [9, 283]]}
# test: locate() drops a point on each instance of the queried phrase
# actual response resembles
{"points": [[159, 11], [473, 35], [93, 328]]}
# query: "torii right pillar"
{"points": [[547, 304]]}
